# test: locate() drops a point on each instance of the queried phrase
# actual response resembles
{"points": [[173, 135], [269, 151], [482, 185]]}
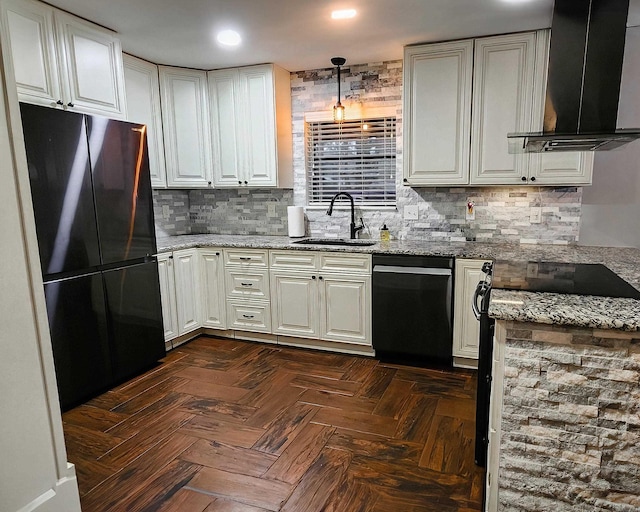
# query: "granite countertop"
{"points": [[547, 308]]}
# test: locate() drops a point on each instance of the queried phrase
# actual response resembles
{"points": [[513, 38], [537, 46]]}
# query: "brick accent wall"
{"points": [[571, 420]]}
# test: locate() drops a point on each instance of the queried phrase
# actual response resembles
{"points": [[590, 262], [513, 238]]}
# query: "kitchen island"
{"points": [[565, 415]]}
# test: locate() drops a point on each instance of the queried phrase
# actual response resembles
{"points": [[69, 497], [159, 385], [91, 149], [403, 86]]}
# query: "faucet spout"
{"points": [[353, 229]]}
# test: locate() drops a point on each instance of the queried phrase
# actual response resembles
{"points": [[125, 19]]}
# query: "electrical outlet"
{"points": [[411, 212], [532, 270], [535, 216], [271, 208], [165, 211]]}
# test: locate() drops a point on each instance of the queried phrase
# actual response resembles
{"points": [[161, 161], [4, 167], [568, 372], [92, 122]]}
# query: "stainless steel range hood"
{"points": [[583, 86]]}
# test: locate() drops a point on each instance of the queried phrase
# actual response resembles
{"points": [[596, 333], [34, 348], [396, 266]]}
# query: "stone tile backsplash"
{"points": [[502, 213]]}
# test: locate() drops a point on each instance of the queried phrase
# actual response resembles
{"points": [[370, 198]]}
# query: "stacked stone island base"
{"points": [[569, 434]]}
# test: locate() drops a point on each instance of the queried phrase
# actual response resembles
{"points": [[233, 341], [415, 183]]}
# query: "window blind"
{"points": [[358, 157]]}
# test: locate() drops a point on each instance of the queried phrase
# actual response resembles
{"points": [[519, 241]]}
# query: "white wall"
{"points": [[34, 474], [611, 206]]}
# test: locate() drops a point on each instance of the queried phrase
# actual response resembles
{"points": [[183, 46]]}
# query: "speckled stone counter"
{"points": [[544, 308]]}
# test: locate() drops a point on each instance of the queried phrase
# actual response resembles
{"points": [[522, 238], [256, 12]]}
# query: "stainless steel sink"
{"points": [[336, 241]]}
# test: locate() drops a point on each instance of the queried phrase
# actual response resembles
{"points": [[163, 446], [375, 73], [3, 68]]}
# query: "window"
{"points": [[358, 157]]}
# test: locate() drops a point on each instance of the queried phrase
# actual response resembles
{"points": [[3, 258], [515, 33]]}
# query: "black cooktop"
{"points": [[577, 278]]}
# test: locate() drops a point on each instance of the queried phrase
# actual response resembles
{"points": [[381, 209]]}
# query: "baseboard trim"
{"points": [[64, 496], [289, 341]]}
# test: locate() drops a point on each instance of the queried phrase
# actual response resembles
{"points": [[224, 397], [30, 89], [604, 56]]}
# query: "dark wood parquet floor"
{"points": [[234, 426]]}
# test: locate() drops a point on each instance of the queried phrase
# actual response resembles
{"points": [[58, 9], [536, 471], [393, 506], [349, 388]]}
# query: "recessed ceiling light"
{"points": [[343, 14], [229, 38]]}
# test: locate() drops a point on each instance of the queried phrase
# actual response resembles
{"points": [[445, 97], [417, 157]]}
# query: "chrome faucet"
{"points": [[353, 229]]}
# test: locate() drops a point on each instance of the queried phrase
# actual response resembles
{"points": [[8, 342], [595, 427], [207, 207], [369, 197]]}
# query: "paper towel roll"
{"points": [[295, 216]]}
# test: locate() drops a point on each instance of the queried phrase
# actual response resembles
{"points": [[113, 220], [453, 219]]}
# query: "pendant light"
{"points": [[338, 109]]}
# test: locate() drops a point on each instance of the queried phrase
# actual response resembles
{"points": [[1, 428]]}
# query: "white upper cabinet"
{"points": [[503, 88], [561, 168], [185, 122], [143, 106], [28, 28], [94, 75], [462, 98], [437, 106], [251, 126], [63, 61]]}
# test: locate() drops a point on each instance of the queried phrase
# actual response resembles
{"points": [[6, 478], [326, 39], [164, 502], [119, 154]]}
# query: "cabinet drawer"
{"points": [[340, 262], [246, 257], [294, 260], [247, 284], [249, 316]]}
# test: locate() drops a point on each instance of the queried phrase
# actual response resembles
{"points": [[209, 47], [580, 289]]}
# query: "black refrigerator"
{"points": [[93, 208]]}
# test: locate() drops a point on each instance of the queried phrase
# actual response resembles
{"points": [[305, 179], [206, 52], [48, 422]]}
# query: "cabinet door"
{"points": [[185, 122], [187, 289], [466, 328], [564, 168], [437, 106], [91, 60], [213, 296], [345, 309], [257, 130], [143, 106], [27, 28], [223, 92], [168, 296], [503, 88], [294, 303]]}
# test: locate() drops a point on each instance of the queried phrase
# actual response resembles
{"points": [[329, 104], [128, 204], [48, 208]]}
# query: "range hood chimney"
{"points": [[583, 86]]}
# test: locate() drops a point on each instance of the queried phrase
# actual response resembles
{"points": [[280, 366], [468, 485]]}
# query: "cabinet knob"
{"points": [[246, 182], [217, 254], [171, 257], [533, 178], [320, 278], [209, 183], [313, 277], [60, 102], [70, 105], [524, 178], [405, 180], [239, 183]]}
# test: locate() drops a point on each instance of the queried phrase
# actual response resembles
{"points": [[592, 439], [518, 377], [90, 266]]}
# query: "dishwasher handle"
{"points": [[392, 269]]}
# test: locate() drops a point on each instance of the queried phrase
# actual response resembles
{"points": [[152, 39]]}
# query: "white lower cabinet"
{"points": [[212, 289], [323, 296], [322, 299], [466, 328], [247, 290], [168, 295], [294, 297], [179, 292], [187, 289], [345, 302]]}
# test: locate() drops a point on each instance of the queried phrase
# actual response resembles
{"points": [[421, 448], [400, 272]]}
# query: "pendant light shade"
{"points": [[338, 109]]}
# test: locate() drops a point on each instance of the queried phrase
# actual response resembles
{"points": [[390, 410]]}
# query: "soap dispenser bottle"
{"points": [[384, 234]]}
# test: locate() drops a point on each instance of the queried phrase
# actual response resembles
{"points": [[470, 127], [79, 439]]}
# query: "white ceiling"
{"points": [[299, 34]]}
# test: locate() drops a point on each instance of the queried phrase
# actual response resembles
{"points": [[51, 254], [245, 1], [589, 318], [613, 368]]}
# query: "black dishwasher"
{"points": [[413, 308]]}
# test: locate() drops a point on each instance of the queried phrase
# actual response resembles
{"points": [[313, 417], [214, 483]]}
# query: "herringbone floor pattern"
{"points": [[235, 426]]}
